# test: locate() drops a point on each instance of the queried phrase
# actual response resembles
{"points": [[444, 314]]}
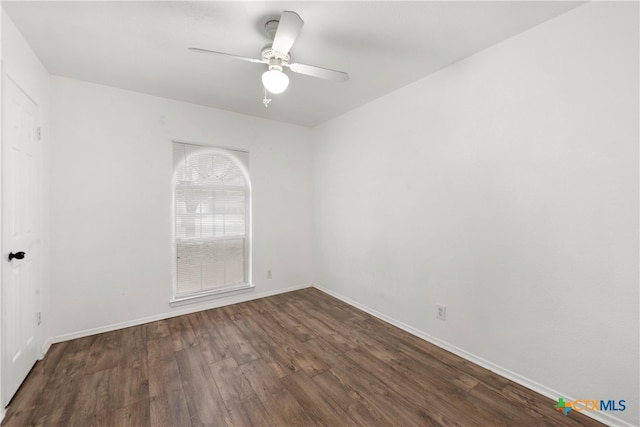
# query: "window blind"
{"points": [[211, 202]]}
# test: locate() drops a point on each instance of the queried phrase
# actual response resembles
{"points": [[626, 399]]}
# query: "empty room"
{"points": [[369, 213]]}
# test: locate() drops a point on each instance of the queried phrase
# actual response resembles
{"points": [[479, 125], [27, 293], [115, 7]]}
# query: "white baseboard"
{"points": [[510, 375], [174, 313]]}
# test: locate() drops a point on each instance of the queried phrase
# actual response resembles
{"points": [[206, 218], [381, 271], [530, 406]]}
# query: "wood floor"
{"points": [[300, 358]]}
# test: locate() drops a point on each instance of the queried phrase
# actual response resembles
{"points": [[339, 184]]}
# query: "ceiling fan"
{"points": [[283, 33]]}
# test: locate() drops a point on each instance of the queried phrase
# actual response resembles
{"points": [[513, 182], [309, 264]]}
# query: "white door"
{"points": [[20, 236]]}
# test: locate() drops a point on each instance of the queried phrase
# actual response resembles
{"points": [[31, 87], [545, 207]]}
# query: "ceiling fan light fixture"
{"points": [[275, 81]]}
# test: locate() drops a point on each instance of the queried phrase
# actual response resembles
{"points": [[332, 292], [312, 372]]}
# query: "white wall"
{"points": [[504, 187], [112, 202], [21, 65]]}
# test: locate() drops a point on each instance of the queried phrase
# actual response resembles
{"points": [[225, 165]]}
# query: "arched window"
{"points": [[211, 202]]}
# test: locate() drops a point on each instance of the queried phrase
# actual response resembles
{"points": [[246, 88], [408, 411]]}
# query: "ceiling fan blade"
{"points": [[323, 73], [288, 29], [228, 55]]}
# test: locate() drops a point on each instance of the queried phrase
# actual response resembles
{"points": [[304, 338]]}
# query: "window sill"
{"points": [[210, 295]]}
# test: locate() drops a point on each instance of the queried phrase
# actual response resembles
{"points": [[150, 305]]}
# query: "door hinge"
{"points": [[39, 318], [39, 133]]}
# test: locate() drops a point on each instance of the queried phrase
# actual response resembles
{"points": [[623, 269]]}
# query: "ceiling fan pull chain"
{"points": [[265, 100]]}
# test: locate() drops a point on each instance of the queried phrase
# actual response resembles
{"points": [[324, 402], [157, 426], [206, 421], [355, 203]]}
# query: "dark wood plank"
{"points": [[273, 332], [262, 342], [104, 352], [97, 419], [262, 379], [233, 385], [378, 394], [278, 402], [205, 404], [164, 376], [22, 409], [57, 402], [358, 338], [285, 409], [160, 350], [438, 375], [135, 415], [94, 395], [349, 400], [181, 333], [234, 312], [442, 411], [292, 325], [239, 347], [157, 329], [211, 342], [163, 373], [320, 408], [133, 348], [128, 386], [81, 344], [289, 352], [320, 329], [249, 413], [169, 409]]}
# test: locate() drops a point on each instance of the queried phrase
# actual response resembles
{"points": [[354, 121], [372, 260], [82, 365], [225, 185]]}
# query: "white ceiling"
{"points": [[142, 46]]}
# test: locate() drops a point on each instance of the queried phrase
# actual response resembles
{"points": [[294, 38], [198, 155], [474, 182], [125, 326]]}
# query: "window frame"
{"points": [[178, 300]]}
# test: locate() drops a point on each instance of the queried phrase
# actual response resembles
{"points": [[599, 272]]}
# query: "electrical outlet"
{"points": [[269, 275], [441, 312]]}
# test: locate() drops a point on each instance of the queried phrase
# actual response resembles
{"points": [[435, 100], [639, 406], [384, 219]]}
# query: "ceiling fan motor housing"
{"points": [[274, 57]]}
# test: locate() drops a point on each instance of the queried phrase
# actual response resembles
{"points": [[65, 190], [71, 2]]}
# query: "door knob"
{"points": [[17, 255]]}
